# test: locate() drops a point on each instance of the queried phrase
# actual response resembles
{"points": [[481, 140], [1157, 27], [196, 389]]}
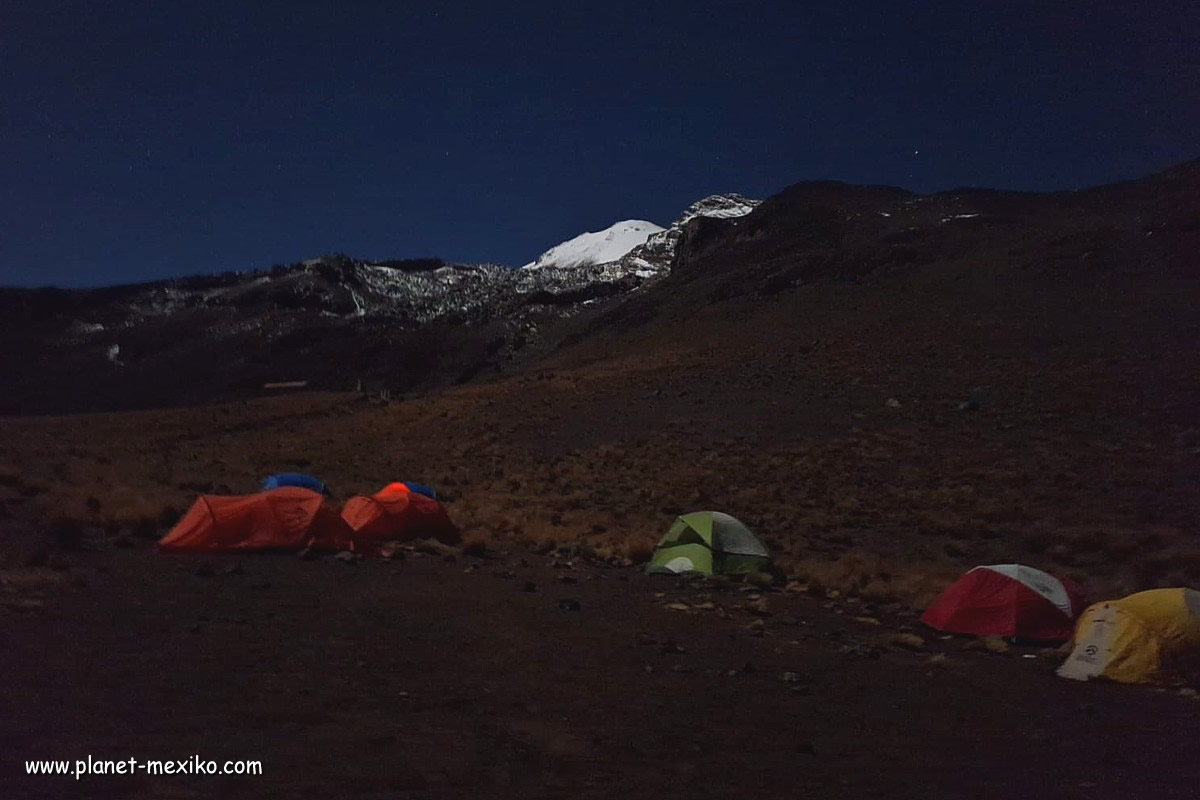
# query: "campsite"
{"points": [[410, 401]]}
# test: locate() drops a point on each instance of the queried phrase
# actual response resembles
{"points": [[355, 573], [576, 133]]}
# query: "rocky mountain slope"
{"points": [[658, 251], [331, 323]]}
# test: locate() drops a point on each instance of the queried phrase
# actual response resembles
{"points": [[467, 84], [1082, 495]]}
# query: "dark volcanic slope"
{"points": [[1080, 304], [877, 380]]}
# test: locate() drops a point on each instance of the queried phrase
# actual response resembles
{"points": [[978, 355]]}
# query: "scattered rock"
{"points": [[683, 668], [909, 641], [432, 547], [759, 607], [863, 650], [757, 627], [393, 551], [790, 677], [345, 556], [763, 580], [892, 403], [677, 607], [23, 604], [967, 405], [867, 620], [566, 579], [706, 606], [1192, 693], [672, 646], [992, 644], [308, 554], [568, 604]]}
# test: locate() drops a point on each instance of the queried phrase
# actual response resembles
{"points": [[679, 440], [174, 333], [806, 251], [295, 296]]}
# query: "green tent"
{"points": [[708, 542]]}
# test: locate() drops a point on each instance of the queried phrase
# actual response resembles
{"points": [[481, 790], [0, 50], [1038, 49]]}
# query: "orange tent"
{"points": [[396, 513], [290, 517]]}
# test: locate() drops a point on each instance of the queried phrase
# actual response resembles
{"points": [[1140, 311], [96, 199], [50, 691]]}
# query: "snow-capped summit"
{"points": [[601, 247]]}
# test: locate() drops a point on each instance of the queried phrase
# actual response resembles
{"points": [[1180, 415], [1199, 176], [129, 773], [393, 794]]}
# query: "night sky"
{"points": [[141, 140]]}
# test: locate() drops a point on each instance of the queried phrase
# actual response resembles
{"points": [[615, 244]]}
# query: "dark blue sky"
{"points": [[149, 139]]}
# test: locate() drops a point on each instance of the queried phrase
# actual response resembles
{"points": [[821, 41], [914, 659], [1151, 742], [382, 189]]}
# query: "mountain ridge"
{"points": [[338, 322]]}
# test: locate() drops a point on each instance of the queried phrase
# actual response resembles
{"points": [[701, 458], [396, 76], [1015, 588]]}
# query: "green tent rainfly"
{"points": [[708, 542]]}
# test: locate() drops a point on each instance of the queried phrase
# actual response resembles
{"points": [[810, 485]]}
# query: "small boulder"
{"points": [[759, 607], [908, 641], [992, 644], [763, 580]]}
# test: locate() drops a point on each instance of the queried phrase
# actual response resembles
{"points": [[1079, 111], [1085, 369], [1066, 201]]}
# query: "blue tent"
{"points": [[420, 488], [293, 479]]}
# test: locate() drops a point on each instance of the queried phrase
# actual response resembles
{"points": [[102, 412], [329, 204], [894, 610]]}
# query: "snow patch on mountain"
{"points": [[654, 257], [600, 247]]}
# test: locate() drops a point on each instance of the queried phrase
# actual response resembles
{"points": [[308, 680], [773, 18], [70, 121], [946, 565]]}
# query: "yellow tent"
{"points": [[1148, 637]]}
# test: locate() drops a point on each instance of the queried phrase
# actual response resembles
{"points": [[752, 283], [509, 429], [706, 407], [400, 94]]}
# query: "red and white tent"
{"points": [[1008, 600]]}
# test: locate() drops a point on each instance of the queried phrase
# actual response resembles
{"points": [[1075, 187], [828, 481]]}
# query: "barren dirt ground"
{"points": [[481, 678]]}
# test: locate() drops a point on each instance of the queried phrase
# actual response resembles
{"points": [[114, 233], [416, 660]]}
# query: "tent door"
{"points": [[1094, 649]]}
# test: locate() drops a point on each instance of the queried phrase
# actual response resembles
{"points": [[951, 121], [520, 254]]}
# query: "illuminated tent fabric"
{"points": [[280, 479], [396, 513], [1007, 600], [1148, 637], [708, 543], [287, 518]]}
